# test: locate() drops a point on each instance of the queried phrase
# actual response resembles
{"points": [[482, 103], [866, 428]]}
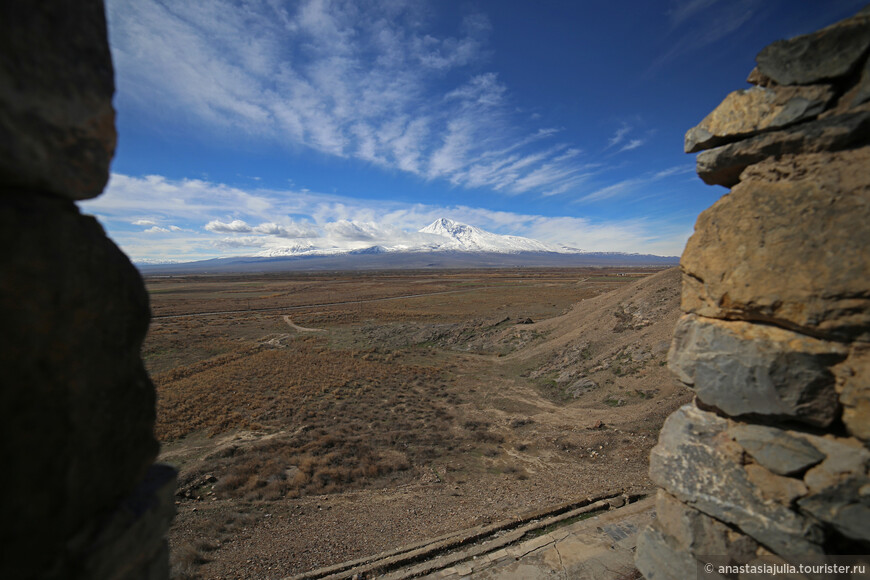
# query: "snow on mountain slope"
{"points": [[465, 238], [442, 235]]}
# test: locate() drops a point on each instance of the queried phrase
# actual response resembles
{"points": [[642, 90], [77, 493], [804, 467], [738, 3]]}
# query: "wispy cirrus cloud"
{"points": [[619, 135], [370, 82], [633, 144], [626, 186], [698, 23]]}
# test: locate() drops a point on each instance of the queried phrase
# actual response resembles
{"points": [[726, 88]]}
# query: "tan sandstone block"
{"points": [[750, 111], [787, 246]]}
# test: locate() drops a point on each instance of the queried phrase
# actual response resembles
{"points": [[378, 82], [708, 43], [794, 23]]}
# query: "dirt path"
{"points": [[295, 326]]}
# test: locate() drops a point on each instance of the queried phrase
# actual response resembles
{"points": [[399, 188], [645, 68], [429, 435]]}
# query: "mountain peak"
{"points": [[465, 238], [446, 227]]}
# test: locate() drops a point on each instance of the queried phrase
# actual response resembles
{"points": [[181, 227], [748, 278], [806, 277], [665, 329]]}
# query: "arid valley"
{"points": [[318, 418]]}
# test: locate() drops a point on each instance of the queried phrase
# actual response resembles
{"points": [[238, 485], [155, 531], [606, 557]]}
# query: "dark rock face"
{"points": [[82, 406], [829, 53], [57, 124], [76, 403], [776, 450], [748, 369], [772, 460]]}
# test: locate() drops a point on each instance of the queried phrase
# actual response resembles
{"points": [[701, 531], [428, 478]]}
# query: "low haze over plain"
{"points": [[246, 126]]}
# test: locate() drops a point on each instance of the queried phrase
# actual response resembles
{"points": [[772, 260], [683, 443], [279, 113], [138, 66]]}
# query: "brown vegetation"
{"points": [[501, 388]]}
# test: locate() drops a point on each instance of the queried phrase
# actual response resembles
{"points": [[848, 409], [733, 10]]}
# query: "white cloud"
{"points": [[633, 144], [144, 222], [290, 230], [373, 83], [306, 219], [235, 226], [352, 231]]}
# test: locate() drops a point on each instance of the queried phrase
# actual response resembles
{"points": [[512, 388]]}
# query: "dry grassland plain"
{"points": [[320, 417]]}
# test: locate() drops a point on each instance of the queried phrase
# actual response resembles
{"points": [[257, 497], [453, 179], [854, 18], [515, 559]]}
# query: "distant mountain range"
{"points": [[442, 244]]}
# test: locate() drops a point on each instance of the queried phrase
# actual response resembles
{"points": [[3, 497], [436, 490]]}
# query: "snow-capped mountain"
{"points": [[442, 244], [442, 235], [459, 237]]}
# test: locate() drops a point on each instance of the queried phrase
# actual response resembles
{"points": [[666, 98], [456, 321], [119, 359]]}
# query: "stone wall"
{"points": [[772, 457], [81, 496]]}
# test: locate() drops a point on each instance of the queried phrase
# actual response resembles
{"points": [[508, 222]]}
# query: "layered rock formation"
{"points": [[81, 496], [773, 457]]}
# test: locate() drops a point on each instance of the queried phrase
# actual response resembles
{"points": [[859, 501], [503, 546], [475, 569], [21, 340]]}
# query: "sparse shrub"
{"points": [[184, 561]]}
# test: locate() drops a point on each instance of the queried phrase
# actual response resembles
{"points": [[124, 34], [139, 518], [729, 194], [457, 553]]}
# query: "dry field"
{"points": [[317, 418]]}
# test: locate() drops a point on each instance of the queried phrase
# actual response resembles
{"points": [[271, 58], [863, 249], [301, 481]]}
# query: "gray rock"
{"points": [[786, 247], [747, 112], [751, 369], [658, 558], [581, 387], [57, 124], [840, 486], [826, 54], [699, 534], [699, 464], [775, 449], [842, 507], [723, 165], [846, 460]]}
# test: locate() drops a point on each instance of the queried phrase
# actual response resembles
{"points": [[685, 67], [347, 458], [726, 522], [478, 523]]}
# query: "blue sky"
{"points": [[249, 126]]}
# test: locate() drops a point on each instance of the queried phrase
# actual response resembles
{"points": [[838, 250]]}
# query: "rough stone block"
{"points": [[699, 463], [776, 449], [80, 406], [785, 247], [745, 113], [57, 124], [679, 534], [776, 488], [840, 487], [723, 165], [754, 369], [658, 557], [826, 54], [698, 533], [853, 385]]}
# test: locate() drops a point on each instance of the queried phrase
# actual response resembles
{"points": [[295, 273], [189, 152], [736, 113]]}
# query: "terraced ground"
{"points": [[426, 403]]}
